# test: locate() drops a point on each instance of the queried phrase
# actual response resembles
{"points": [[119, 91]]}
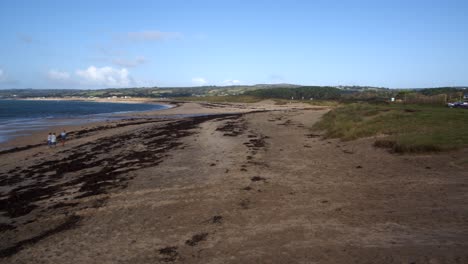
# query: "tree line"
{"points": [[305, 92]]}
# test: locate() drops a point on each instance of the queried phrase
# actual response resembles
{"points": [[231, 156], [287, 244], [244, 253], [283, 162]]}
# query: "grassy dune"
{"points": [[404, 128]]}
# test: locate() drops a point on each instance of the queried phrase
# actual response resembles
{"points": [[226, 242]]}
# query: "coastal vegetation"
{"points": [[305, 92], [453, 91], [255, 93], [146, 92], [402, 128]]}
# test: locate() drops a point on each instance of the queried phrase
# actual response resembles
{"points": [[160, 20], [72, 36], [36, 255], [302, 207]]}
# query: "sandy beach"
{"points": [[228, 183]]}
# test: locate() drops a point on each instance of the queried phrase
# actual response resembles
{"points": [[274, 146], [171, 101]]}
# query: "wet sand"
{"points": [[239, 184]]}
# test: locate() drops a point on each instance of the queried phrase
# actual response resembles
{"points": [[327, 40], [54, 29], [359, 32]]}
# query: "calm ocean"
{"points": [[17, 117]]}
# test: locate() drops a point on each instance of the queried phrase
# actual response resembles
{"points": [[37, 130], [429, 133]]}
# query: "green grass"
{"points": [[402, 128], [311, 102], [322, 102]]}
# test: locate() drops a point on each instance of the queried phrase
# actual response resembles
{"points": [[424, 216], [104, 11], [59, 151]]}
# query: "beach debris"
{"points": [[286, 123], [170, 254], [233, 128], [217, 219], [245, 204], [257, 178], [197, 238]]}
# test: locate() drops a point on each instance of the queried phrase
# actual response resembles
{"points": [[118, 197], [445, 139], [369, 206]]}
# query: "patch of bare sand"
{"points": [[199, 108], [262, 188]]}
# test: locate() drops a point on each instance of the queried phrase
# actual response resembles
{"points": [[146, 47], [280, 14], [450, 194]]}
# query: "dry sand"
{"points": [[246, 184]]}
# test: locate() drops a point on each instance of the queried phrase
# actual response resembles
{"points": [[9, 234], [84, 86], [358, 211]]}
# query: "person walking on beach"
{"points": [[49, 140], [53, 140], [63, 137]]}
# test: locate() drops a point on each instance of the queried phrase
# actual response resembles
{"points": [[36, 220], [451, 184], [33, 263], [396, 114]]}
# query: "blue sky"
{"points": [[98, 44]]}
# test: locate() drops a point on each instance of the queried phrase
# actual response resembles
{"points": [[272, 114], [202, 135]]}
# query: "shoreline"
{"points": [[135, 100], [175, 109], [73, 123]]}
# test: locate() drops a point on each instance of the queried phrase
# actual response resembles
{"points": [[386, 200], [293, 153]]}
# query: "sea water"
{"points": [[17, 117]]}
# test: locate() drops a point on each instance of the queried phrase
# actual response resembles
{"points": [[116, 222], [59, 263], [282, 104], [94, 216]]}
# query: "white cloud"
{"points": [[105, 76], [130, 63], [152, 35], [231, 82], [199, 81], [2, 75], [58, 75]]}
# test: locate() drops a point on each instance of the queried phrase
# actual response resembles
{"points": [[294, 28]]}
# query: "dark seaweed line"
{"points": [[70, 223], [81, 133], [233, 127], [17, 149]]}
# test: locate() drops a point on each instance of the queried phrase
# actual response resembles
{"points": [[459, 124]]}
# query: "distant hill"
{"points": [[283, 90], [141, 91], [277, 85], [444, 90], [303, 92]]}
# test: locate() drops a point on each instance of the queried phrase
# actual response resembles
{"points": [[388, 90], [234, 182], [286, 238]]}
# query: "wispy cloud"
{"points": [[24, 38], [199, 81], [108, 50], [105, 76], [6, 81], [276, 78], [231, 82], [58, 75], [152, 35], [129, 63]]}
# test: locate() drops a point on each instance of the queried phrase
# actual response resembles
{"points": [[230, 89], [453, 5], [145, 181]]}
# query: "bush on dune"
{"points": [[401, 128]]}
